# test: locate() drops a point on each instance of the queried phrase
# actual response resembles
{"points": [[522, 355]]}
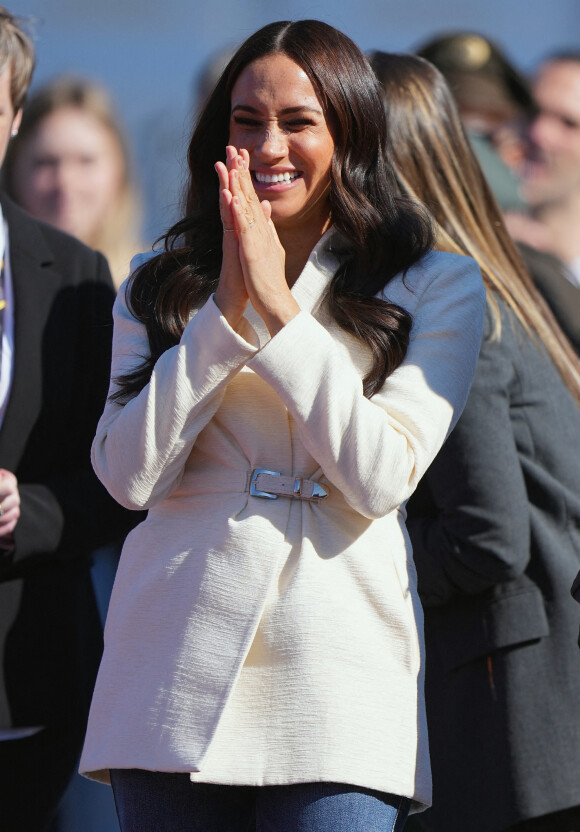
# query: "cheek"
{"points": [[317, 155]]}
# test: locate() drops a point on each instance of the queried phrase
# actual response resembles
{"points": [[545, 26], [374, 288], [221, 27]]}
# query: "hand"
{"points": [[260, 252], [231, 295], [9, 502]]}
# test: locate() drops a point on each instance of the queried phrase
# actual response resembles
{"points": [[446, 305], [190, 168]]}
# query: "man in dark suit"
{"points": [[55, 333]]}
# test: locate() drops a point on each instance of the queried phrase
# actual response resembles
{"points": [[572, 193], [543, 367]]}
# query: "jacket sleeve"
{"points": [[375, 451], [140, 448], [472, 529]]}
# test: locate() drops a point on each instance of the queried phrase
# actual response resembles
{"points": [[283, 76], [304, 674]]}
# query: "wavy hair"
{"points": [[435, 165], [384, 234]]}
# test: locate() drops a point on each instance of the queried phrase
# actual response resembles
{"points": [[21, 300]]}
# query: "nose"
{"points": [[544, 131], [271, 143]]}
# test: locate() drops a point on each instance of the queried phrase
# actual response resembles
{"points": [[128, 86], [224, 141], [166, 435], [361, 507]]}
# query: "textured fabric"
{"points": [[495, 527], [254, 641], [153, 801]]}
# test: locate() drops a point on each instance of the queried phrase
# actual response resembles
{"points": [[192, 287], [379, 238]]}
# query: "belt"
{"points": [[273, 484]]}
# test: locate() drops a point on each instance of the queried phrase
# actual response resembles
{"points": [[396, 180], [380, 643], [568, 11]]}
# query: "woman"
{"points": [[495, 524], [69, 166], [263, 650]]}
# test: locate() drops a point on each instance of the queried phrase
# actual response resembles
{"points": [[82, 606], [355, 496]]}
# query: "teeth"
{"points": [[271, 178]]}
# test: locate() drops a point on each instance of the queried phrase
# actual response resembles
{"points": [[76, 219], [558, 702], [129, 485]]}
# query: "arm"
{"points": [[140, 448], [477, 531], [375, 451]]}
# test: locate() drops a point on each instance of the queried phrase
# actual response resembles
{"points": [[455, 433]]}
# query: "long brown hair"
{"points": [[384, 235], [436, 166]]}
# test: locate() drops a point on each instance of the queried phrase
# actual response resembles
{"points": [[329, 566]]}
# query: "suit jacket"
{"points": [[561, 295], [50, 639], [495, 528]]}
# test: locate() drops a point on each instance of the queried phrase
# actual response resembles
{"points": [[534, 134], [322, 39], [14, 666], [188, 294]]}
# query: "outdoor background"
{"points": [[150, 53]]}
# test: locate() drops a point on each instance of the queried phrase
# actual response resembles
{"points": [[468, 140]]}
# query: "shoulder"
{"points": [[449, 279], [33, 240], [437, 266]]}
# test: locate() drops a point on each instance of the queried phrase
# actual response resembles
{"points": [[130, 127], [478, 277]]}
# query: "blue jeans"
{"points": [[158, 802]]}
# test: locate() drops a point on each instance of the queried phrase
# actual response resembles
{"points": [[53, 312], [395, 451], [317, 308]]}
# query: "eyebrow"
{"points": [[285, 112]]}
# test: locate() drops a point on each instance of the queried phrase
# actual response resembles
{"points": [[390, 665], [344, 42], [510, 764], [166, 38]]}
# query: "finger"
{"points": [[246, 183], [8, 521], [242, 216], [266, 207], [226, 214], [8, 488], [223, 175], [231, 155], [9, 503], [234, 185]]}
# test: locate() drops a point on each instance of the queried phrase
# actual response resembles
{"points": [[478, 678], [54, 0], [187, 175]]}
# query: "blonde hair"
{"points": [[16, 50], [436, 166], [118, 237]]}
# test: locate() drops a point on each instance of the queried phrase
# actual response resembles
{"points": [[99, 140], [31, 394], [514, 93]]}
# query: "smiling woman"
{"points": [[283, 373]]}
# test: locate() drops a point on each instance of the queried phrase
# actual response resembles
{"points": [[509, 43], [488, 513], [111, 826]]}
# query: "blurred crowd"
{"points": [[499, 760]]}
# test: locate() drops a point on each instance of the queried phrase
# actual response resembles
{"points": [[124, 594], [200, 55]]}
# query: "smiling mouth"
{"points": [[275, 178]]}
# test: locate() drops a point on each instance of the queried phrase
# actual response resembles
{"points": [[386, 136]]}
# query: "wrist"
{"points": [[232, 311], [276, 317]]}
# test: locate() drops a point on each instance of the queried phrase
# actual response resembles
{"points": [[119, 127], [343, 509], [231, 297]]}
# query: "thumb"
{"points": [[266, 208]]}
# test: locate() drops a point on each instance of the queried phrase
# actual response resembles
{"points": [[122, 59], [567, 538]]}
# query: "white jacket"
{"points": [[256, 641]]}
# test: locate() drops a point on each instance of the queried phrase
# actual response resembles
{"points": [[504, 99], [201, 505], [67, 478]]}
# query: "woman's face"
{"points": [[69, 172], [277, 117]]}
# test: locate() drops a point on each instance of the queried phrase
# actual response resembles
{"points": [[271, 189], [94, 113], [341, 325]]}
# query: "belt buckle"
{"points": [[253, 487]]}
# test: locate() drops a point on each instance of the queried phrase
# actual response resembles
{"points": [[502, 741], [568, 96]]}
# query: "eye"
{"points": [[570, 123], [43, 162], [246, 121], [299, 123]]}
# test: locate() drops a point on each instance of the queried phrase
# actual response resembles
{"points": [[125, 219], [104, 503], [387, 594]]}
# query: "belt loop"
{"points": [[297, 487]]}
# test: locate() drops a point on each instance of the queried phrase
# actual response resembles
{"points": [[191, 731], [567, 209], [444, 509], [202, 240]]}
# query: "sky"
{"points": [[150, 54]]}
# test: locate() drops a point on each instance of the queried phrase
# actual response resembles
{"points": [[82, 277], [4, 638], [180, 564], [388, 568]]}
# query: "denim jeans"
{"points": [[158, 802]]}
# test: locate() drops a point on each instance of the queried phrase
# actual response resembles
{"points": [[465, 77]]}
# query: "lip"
{"points": [[275, 186], [534, 169]]}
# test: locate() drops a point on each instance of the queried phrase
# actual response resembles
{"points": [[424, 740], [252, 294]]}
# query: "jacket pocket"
{"points": [[480, 625]]}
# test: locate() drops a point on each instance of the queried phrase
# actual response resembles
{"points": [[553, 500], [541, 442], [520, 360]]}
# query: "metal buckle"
{"points": [[318, 492], [253, 489]]}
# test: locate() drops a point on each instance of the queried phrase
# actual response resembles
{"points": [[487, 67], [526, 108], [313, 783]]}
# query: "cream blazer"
{"points": [[256, 641]]}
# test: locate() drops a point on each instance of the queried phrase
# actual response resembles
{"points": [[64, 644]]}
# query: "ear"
{"points": [[16, 122]]}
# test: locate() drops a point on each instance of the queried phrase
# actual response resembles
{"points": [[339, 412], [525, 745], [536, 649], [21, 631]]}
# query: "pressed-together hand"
{"points": [[253, 257], [9, 503]]}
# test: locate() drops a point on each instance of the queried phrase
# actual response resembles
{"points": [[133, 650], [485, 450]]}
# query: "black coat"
{"points": [[561, 295], [495, 528], [50, 635]]}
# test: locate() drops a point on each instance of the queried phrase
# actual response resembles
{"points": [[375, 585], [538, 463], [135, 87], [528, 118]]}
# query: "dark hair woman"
{"points": [[494, 524], [278, 388]]}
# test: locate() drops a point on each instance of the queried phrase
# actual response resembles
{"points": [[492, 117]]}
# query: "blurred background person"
{"points": [[55, 344], [551, 180], [70, 167], [501, 117], [495, 103], [495, 524]]}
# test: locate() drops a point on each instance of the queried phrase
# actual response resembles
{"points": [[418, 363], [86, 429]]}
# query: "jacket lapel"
{"points": [[35, 284]]}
